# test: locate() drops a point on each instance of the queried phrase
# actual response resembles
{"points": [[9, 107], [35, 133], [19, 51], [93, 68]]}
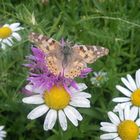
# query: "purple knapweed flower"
{"points": [[40, 76]]}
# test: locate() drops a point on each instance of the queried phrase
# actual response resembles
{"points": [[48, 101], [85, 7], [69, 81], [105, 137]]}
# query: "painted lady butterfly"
{"points": [[64, 58]]}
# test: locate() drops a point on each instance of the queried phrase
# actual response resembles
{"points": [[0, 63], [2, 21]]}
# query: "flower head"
{"points": [[8, 32], [41, 77], [2, 133], [58, 103], [124, 126], [132, 92], [99, 78]]}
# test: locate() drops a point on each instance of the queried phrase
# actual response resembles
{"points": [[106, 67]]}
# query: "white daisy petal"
{"points": [[3, 46], [121, 99], [118, 107], [75, 112], [80, 103], [127, 112], [29, 87], [18, 28], [96, 74], [118, 138], [10, 39], [107, 124], [14, 26], [16, 35], [127, 84], [121, 114], [138, 122], [35, 99], [109, 128], [82, 94], [2, 136], [80, 87], [137, 77], [6, 41], [121, 106], [128, 104], [3, 132], [62, 120], [6, 25], [139, 112], [1, 127], [114, 118], [109, 136], [50, 119], [125, 91], [34, 90], [37, 112], [75, 98], [133, 113], [132, 82], [71, 116]]}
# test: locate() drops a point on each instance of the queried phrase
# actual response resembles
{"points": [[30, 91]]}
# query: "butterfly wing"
{"points": [[81, 56], [90, 54], [45, 43], [76, 61], [51, 48], [74, 67]]}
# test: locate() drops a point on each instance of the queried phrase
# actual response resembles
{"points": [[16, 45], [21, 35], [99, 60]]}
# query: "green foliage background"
{"points": [[114, 24]]}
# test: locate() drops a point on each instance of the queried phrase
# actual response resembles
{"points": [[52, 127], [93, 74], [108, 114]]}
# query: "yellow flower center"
{"points": [[5, 32], [57, 98], [128, 130], [135, 97], [99, 78]]}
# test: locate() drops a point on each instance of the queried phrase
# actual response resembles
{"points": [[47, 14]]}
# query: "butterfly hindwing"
{"points": [[54, 64], [74, 67]]}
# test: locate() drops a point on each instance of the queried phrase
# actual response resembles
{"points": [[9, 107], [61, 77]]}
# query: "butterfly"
{"points": [[64, 58]]}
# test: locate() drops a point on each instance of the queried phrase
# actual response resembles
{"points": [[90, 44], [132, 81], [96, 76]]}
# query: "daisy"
{"points": [[124, 126], [99, 78], [132, 92], [8, 32], [2, 133], [58, 103]]}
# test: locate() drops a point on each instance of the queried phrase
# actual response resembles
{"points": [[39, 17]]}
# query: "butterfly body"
{"points": [[64, 59], [66, 52]]}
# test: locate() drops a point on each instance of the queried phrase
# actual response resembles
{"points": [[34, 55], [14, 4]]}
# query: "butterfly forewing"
{"points": [[52, 50], [43, 42]]}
